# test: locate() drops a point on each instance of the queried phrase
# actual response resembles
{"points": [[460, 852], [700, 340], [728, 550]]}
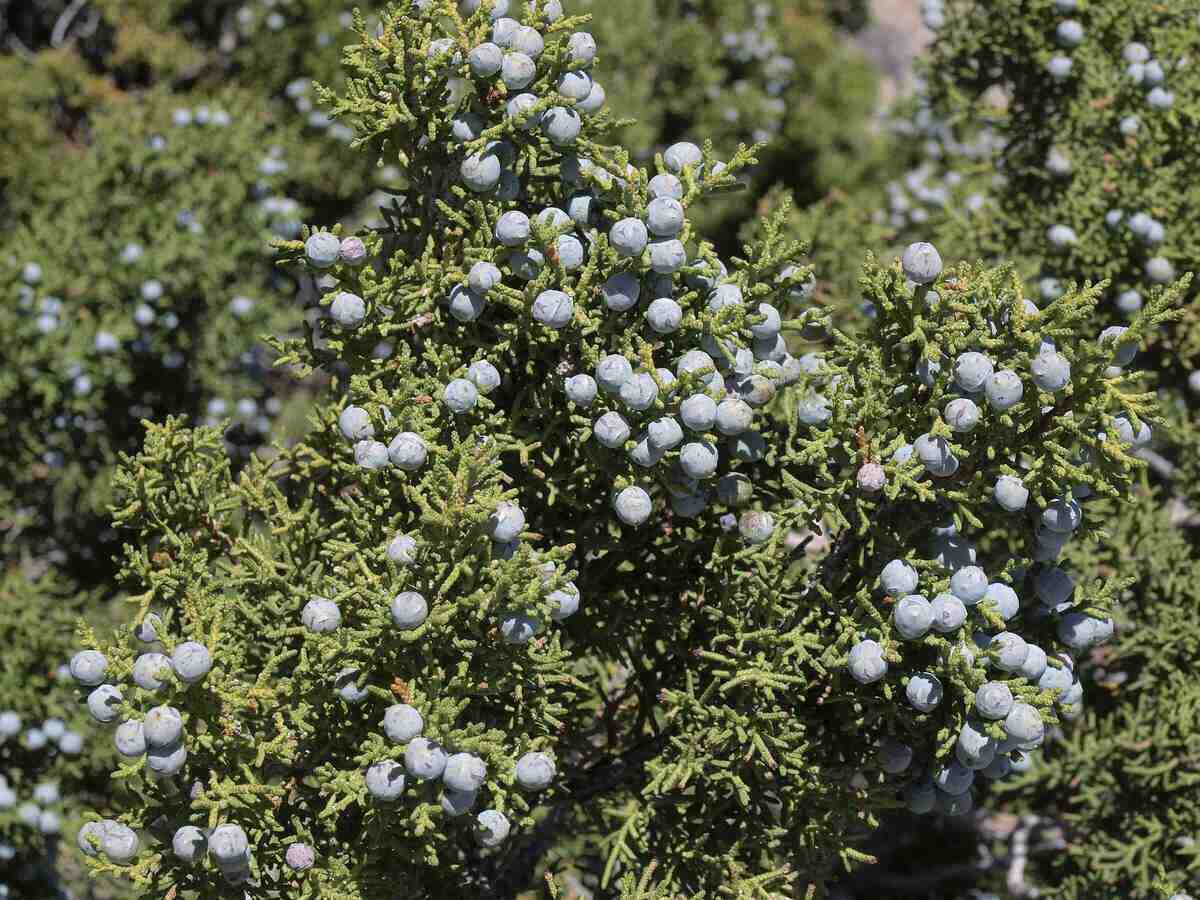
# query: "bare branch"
{"points": [[59, 34]]}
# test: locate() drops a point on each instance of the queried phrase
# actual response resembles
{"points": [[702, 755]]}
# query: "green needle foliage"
{"points": [[90, 84], [691, 627], [46, 742], [282, 747], [110, 53]]}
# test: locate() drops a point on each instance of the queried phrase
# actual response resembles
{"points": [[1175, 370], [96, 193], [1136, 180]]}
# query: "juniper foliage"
{"points": [[76, 102], [136, 288], [695, 635], [49, 753], [1099, 147], [1130, 782], [1101, 151]]}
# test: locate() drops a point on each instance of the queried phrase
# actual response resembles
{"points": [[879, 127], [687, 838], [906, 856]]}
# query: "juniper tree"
{"points": [[83, 84], [1084, 112], [645, 584], [1099, 153], [106, 55], [63, 62], [1127, 807], [772, 72], [1022, 129], [780, 72]]}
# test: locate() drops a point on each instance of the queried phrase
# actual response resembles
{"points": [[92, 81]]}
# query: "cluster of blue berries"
{"points": [[462, 775], [153, 315], [725, 356], [41, 811], [1156, 270], [758, 45], [118, 842], [972, 624], [30, 796], [513, 58], [930, 192], [226, 845], [981, 386], [1148, 74], [151, 323], [693, 417], [202, 115], [924, 197], [229, 849], [424, 760], [154, 735], [409, 452], [48, 736], [652, 415]]}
